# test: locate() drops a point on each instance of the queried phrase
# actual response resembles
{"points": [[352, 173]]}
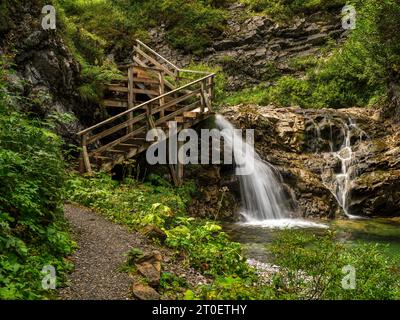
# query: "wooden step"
{"points": [[146, 80], [115, 151], [135, 140], [145, 91], [128, 145], [117, 88], [190, 114]]}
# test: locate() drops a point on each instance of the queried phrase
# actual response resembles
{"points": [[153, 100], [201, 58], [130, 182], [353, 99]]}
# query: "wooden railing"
{"points": [[142, 51], [148, 115]]}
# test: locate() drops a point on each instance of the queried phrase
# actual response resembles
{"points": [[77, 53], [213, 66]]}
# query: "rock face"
{"points": [[249, 48], [47, 73], [217, 192], [304, 144]]}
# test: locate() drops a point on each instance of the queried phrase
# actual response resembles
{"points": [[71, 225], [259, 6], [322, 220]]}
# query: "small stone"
{"points": [[144, 292]]}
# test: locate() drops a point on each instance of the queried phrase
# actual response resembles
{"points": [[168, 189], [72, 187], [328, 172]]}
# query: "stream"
{"points": [[255, 238]]}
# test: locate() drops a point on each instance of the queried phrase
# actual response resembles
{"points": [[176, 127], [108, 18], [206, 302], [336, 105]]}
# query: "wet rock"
{"points": [[144, 292]]}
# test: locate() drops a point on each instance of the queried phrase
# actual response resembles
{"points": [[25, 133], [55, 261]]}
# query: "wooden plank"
{"points": [[116, 128], [177, 113], [85, 154], [145, 91], [131, 98], [179, 119], [190, 114], [145, 80], [128, 145], [117, 88], [161, 92], [115, 151], [119, 140], [177, 100]]}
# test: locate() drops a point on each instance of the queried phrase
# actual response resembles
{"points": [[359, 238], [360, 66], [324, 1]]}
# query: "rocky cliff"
{"points": [[47, 74], [250, 45]]}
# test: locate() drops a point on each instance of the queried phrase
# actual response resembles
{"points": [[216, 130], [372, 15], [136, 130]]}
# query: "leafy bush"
{"points": [[232, 288], [31, 221], [311, 268], [284, 9]]}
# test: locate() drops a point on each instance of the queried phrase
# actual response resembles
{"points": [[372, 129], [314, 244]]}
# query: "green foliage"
{"points": [[189, 24], [232, 288], [31, 224], [140, 204], [284, 9], [94, 78], [311, 268]]}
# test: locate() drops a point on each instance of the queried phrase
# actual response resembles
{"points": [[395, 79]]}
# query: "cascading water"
{"points": [[343, 179], [261, 190], [341, 184]]}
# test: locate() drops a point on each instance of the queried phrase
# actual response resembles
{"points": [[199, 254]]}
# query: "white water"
{"points": [[343, 180], [285, 224], [262, 195]]}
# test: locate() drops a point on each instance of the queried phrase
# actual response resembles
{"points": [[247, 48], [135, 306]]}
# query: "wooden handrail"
{"points": [[140, 106], [169, 62], [158, 55]]}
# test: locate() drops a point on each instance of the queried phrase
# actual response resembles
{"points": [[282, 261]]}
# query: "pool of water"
{"points": [[256, 235]]}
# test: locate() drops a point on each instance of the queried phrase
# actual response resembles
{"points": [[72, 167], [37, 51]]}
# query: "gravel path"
{"points": [[100, 254], [102, 245]]}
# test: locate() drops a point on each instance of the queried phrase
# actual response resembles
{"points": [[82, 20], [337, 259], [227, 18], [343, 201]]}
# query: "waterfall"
{"points": [[261, 190]]}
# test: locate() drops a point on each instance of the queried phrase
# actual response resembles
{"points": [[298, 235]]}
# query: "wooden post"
{"points": [[202, 97], [85, 155], [179, 165], [130, 97], [211, 88], [161, 91]]}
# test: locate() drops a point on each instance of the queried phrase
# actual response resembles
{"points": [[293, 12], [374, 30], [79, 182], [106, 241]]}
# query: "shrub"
{"points": [[32, 230], [311, 268]]}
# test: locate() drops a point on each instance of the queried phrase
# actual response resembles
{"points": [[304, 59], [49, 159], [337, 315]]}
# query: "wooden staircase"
{"points": [[153, 93]]}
